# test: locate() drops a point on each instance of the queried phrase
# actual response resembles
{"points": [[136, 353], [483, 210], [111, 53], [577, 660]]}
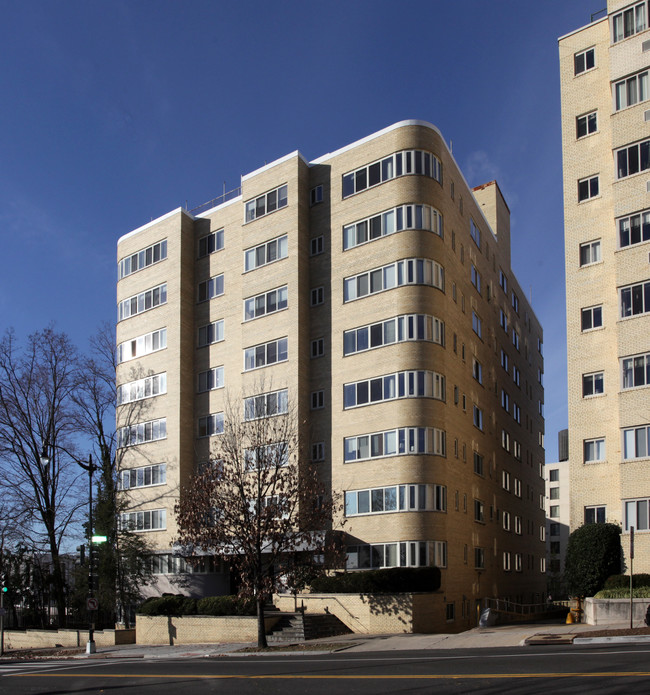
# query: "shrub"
{"points": [[593, 554], [168, 604], [620, 592], [225, 605], [622, 581], [396, 580]]}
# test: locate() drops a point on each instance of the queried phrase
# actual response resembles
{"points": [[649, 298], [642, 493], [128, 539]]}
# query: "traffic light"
{"points": [[81, 549]]}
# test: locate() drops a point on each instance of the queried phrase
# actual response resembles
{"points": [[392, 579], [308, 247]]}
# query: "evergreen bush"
{"points": [[395, 580]]}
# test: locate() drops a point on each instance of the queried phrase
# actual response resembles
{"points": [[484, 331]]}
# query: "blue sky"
{"points": [[114, 113]]}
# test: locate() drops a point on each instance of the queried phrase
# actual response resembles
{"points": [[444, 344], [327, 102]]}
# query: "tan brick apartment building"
{"points": [[606, 147], [375, 288]]}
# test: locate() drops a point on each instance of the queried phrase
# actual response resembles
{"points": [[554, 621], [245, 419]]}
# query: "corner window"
{"points": [[586, 125], [583, 61], [629, 22], [591, 318], [590, 253], [588, 188]]}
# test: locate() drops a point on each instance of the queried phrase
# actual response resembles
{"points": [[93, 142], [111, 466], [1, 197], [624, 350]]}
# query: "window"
{"points": [[583, 61], [379, 555], [450, 611], [636, 371], [212, 333], [316, 195], [398, 164], [211, 425], [266, 303], [504, 360], [516, 412], [554, 493], [267, 203], [475, 278], [515, 339], [266, 354], [590, 253], [316, 245], [396, 498], [503, 281], [403, 441], [586, 125], [634, 229], [505, 440], [477, 370], [475, 233], [635, 299], [632, 90], [516, 449], [394, 330], [595, 515], [318, 451], [515, 302], [505, 520], [554, 529], [142, 433], [269, 456], [594, 450], [517, 487], [149, 520], [518, 525], [478, 417], [142, 388], [142, 259], [633, 159], [440, 560], [554, 475], [506, 561], [211, 243], [591, 317], [518, 562], [142, 477], [636, 514], [635, 443], [593, 384], [477, 325], [478, 464], [479, 558], [505, 480], [214, 287], [588, 188], [409, 384], [317, 296], [266, 405], [505, 400], [317, 399], [410, 271], [503, 320], [142, 345], [211, 379], [149, 299], [268, 252], [630, 21], [318, 347], [395, 220]]}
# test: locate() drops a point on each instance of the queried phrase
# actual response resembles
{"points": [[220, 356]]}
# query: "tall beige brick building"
{"points": [[606, 148], [374, 288]]}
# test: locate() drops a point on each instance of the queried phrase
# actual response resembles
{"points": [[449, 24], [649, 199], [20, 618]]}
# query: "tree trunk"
{"points": [[261, 627]]}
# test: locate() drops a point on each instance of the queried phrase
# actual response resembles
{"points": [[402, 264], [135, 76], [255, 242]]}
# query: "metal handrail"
{"points": [[224, 197]]}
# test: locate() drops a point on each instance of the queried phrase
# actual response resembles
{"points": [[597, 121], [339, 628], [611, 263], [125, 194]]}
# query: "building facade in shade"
{"points": [[557, 517], [606, 159], [373, 288]]}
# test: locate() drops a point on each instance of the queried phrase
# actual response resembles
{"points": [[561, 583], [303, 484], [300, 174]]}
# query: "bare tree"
{"points": [[258, 502], [37, 382]]}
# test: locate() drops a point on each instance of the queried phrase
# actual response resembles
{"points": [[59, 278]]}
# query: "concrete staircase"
{"points": [[298, 627]]}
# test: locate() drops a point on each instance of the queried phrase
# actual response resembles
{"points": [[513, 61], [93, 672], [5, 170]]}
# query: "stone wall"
{"points": [[39, 639], [376, 614], [615, 611], [198, 629]]}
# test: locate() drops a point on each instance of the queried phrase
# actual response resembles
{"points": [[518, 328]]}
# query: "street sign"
{"points": [[92, 604]]}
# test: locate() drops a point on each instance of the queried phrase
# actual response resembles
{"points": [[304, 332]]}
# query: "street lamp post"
{"points": [[90, 602]]}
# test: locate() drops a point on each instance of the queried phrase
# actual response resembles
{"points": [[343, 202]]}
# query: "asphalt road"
{"points": [[569, 669]]}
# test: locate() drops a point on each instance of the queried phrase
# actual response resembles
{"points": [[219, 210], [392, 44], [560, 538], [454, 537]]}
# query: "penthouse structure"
{"points": [[374, 288]]}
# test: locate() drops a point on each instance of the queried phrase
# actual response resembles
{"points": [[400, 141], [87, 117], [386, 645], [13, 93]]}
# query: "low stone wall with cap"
{"points": [[198, 629], [41, 639], [615, 611], [376, 613]]}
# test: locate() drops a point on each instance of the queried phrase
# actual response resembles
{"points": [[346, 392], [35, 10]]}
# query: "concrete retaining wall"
{"points": [[39, 639], [377, 614], [615, 611], [198, 629]]}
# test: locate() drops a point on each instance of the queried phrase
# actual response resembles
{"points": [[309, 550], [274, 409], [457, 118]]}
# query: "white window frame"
{"points": [[594, 450], [590, 253], [584, 61], [210, 425], [211, 243], [586, 125], [267, 203], [631, 296], [258, 256], [632, 90], [635, 371], [636, 441], [142, 259], [635, 156], [211, 379], [211, 333], [266, 354], [593, 384], [279, 296], [212, 288], [144, 301], [595, 313], [629, 21], [397, 329], [588, 188], [633, 229]]}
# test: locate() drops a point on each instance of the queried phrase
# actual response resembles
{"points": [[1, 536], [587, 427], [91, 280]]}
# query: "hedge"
{"points": [[396, 580], [177, 604], [622, 581], [641, 592]]}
